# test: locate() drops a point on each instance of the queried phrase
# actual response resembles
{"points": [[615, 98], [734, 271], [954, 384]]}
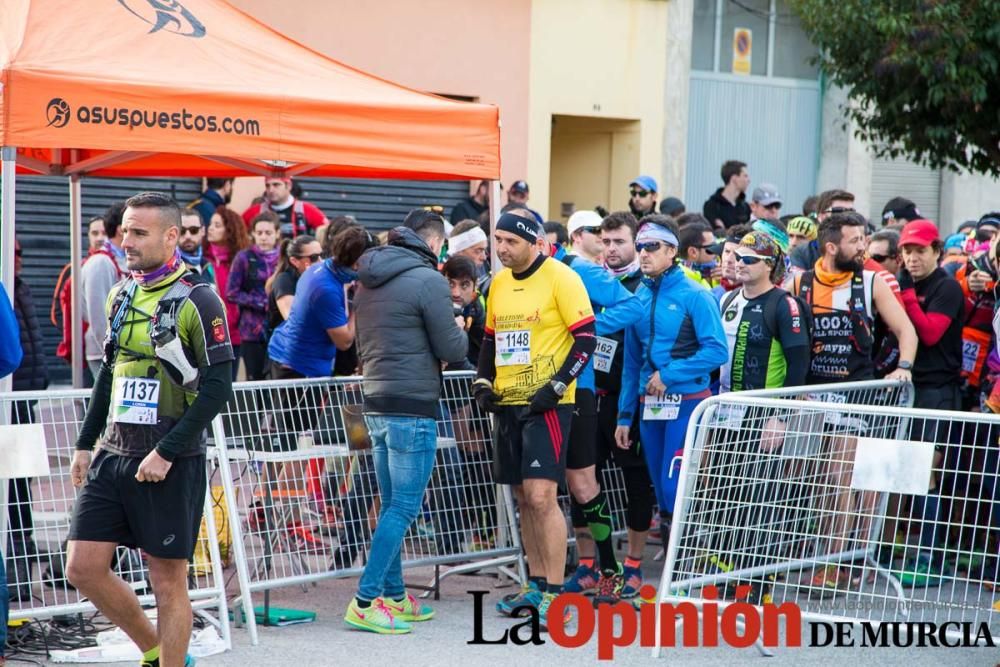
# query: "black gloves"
{"points": [[905, 279], [488, 400], [545, 399]]}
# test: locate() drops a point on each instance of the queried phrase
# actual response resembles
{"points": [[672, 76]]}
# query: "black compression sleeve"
{"points": [[797, 362], [584, 344], [487, 357], [216, 388], [97, 411]]}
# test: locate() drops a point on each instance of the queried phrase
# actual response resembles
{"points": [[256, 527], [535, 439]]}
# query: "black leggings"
{"points": [[255, 360]]}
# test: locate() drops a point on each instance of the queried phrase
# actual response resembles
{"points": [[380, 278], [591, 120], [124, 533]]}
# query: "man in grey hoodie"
{"points": [[405, 330]]}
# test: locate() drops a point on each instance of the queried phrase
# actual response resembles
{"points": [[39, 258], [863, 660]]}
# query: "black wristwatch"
{"points": [[905, 365]]}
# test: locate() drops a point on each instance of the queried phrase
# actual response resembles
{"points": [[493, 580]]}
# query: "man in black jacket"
{"points": [[31, 375], [405, 330], [728, 205]]}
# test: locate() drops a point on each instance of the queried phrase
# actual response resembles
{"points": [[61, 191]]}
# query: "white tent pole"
{"points": [[494, 216], [75, 251], [8, 157]]}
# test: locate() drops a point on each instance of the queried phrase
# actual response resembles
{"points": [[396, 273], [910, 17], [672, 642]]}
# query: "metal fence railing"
{"points": [[37, 515], [301, 489], [856, 510]]}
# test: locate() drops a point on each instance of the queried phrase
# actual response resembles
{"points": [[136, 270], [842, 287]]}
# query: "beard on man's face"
{"points": [[845, 262]]}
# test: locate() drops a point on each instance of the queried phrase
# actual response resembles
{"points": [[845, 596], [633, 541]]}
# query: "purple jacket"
{"points": [[250, 270]]}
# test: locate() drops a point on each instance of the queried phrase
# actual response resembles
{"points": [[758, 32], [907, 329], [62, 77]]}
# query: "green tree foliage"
{"points": [[922, 75]]}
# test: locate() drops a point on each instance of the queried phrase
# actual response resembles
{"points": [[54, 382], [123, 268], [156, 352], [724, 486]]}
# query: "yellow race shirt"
{"points": [[533, 320]]}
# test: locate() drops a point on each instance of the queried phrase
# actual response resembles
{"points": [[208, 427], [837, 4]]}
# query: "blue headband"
{"points": [[654, 232]]}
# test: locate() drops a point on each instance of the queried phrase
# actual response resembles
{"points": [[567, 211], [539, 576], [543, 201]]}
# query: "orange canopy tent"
{"points": [[199, 88]]}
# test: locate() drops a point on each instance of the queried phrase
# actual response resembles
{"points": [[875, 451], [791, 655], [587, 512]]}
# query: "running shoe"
{"points": [[633, 582], [544, 601], [376, 618], [584, 580], [510, 603], [410, 609], [189, 661], [828, 582], [609, 588], [300, 538]]}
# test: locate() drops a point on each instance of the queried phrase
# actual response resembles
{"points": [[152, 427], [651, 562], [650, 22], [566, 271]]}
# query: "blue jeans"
{"points": [[403, 449]]}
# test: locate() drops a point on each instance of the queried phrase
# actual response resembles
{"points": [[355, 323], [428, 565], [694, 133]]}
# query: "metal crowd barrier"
{"points": [[38, 515], [303, 499], [855, 512]]}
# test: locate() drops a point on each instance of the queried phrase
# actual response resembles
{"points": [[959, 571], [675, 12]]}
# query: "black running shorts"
{"points": [[530, 445], [161, 518]]}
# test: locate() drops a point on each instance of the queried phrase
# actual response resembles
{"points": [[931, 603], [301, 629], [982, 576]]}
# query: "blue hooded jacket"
{"points": [[603, 290], [672, 326]]}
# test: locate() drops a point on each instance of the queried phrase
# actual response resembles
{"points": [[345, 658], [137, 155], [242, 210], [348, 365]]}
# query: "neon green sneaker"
{"points": [[410, 609], [543, 611], [376, 618]]}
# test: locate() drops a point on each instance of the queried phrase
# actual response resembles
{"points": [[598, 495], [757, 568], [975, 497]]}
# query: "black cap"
{"points": [[519, 186], [672, 206]]}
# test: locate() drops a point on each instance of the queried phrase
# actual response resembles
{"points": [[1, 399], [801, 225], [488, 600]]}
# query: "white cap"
{"points": [[583, 219]]}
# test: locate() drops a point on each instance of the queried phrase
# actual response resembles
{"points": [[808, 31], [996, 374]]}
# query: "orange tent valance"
{"points": [[199, 88]]}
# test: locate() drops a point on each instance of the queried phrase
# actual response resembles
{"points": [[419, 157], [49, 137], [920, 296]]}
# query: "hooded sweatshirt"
{"points": [[405, 327]]}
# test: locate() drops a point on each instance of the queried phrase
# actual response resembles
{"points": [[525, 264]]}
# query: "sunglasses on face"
{"points": [[315, 257], [776, 206], [649, 246], [881, 258], [591, 230], [639, 193], [750, 260], [193, 231], [707, 248]]}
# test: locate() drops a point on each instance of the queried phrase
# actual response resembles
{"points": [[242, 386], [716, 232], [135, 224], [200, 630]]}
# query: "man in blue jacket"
{"points": [[10, 359], [673, 341]]}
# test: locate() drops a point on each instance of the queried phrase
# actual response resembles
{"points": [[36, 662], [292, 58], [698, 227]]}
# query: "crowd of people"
{"points": [[594, 343]]}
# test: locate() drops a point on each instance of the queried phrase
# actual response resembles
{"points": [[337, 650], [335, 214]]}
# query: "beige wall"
{"points": [[599, 59], [472, 49]]}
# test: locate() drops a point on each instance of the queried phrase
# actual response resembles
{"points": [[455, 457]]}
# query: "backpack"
{"points": [[771, 312], [60, 310]]}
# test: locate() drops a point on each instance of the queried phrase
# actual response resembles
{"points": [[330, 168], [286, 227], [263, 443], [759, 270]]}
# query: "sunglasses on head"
{"points": [[648, 246], [639, 193], [315, 257], [750, 260], [191, 230], [840, 209]]}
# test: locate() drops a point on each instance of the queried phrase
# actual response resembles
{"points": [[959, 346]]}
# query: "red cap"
{"points": [[919, 232]]}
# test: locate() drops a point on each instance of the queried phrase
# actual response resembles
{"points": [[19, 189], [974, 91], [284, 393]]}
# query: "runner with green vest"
{"points": [[165, 375]]}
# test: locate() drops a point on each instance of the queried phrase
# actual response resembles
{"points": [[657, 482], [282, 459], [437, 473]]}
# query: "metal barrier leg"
{"points": [[239, 552], [218, 577]]}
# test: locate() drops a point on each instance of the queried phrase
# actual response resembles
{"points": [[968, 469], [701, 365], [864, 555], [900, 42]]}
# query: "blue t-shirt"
{"points": [[301, 342]]}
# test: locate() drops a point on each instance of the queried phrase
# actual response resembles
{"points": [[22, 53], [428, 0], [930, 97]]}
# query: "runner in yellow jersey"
{"points": [[539, 338]]}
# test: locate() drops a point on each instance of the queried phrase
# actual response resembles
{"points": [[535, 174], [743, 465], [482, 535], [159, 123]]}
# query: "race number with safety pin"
{"points": [[605, 352], [513, 348], [667, 408], [135, 400]]}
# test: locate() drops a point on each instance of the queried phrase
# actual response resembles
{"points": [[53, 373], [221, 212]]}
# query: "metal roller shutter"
{"points": [[380, 204], [902, 178], [43, 230]]}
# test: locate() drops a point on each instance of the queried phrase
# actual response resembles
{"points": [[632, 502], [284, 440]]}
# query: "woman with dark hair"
{"points": [[225, 237], [295, 256], [307, 342], [247, 276]]}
